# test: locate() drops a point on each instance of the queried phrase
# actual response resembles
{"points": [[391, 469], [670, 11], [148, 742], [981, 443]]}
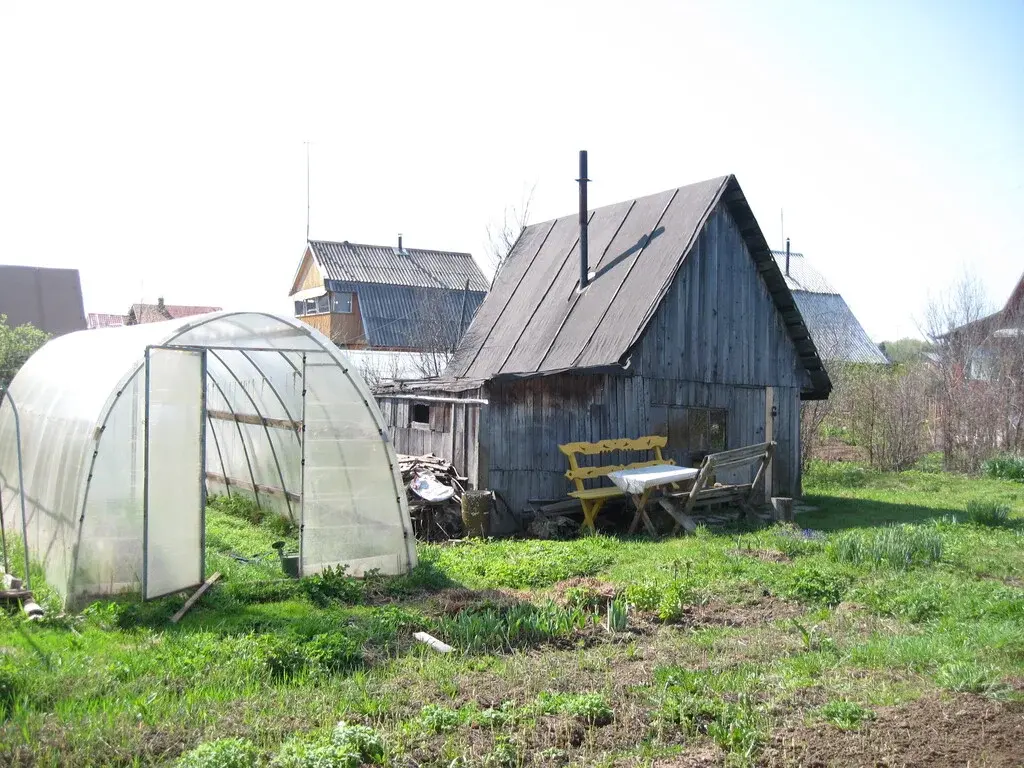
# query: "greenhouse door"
{"points": [[175, 471]]}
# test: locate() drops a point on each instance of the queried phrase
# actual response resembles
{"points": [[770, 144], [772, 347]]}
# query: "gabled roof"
{"points": [[837, 334], [1011, 316], [49, 299], [158, 313], [357, 263], [534, 322]]}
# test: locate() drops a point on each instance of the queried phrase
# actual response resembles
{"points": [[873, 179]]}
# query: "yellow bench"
{"points": [[593, 499]]}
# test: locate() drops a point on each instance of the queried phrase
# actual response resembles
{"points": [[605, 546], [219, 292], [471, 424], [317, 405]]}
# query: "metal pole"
{"points": [[302, 467], [584, 255]]}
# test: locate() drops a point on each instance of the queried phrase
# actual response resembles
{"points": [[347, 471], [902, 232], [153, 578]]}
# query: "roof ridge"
{"points": [[390, 247]]}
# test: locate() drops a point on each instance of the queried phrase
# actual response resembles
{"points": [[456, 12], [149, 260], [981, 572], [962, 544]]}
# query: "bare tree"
{"points": [[978, 376], [502, 239]]}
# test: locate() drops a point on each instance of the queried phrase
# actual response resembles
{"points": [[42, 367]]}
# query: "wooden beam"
{"points": [[270, 490], [260, 421], [192, 600]]}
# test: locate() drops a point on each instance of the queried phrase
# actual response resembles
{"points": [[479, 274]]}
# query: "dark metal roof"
{"points": [[837, 334], [49, 299], [385, 265], [534, 322], [408, 317]]}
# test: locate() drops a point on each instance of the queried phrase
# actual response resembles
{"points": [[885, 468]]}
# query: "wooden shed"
{"points": [[685, 326]]}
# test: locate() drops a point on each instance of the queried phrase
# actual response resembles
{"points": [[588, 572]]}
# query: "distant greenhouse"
{"points": [[124, 430]]}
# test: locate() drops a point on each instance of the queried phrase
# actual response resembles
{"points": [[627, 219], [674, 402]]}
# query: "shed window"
{"points": [[692, 430], [419, 415], [342, 303], [323, 304], [310, 306], [300, 308]]}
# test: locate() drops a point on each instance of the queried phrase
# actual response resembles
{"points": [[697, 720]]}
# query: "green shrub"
{"points": [[223, 753], [261, 590], [1005, 468], [283, 659], [897, 546], [11, 687], [525, 564], [366, 741], [333, 652], [333, 584], [931, 463], [990, 513], [239, 506], [845, 714]]}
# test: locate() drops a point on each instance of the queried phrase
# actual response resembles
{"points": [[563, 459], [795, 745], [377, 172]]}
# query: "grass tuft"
{"points": [[986, 512], [1005, 467], [222, 753], [845, 714], [896, 546]]}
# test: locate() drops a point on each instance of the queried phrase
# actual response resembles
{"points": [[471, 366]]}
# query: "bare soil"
{"points": [[933, 731], [760, 610], [767, 555]]}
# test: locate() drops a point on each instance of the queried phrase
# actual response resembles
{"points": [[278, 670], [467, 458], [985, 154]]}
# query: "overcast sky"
{"points": [[160, 149]]}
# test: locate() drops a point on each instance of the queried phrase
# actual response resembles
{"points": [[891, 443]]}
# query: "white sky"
{"points": [[159, 149]]}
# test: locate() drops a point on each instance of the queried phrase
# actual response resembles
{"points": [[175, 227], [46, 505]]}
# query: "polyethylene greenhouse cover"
{"points": [[288, 423]]}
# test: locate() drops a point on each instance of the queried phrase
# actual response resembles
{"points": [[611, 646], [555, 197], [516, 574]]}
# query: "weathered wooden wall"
{"points": [[447, 421], [716, 341]]}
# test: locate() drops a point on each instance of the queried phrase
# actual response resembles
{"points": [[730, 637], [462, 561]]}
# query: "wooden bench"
{"points": [[592, 499], [701, 493]]}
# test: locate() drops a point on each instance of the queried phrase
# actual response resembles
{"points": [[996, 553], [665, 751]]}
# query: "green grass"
{"points": [[897, 586]]}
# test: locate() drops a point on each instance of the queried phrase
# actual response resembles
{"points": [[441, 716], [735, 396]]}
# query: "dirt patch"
{"points": [[704, 757], [759, 611], [598, 592], [767, 555], [932, 731]]}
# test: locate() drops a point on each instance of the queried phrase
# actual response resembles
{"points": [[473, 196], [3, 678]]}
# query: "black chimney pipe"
{"points": [[584, 279], [399, 242], [787, 257]]}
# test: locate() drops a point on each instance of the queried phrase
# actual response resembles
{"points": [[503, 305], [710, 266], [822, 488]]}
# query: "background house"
{"points": [[49, 299], [104, 320], [159, 312], [383, 298], [686, 328], [838, 335]]}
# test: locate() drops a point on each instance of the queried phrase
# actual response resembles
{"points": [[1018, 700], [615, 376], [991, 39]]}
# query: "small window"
{"points": [[310, 306], [419, 415], [342, 303], [323, 304], [300, 308], [696, 430]]}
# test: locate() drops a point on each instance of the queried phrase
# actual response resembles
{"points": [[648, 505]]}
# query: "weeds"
{"points": [[970, 678], [990, 513], [223, 753], [896, 546], [1005, 467], [333, 585], [845, 714], [490, 630]]}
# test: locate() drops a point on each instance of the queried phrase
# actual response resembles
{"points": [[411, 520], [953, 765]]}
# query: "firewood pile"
{"points": [[433, 520]]}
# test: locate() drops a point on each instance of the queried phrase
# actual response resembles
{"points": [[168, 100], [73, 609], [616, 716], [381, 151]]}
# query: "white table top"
{"points": [[639, 480]]}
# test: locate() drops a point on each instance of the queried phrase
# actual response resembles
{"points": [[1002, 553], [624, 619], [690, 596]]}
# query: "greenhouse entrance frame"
{"points": [[174, 499]]}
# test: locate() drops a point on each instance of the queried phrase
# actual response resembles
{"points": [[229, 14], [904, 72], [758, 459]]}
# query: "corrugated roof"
{"points": [[802, 276], [357, 263], [836, 332], [534, 322], [409, 317]]}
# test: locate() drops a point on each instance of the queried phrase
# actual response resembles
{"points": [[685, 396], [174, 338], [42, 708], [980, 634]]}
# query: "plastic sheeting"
{"points": [[82, 400]]}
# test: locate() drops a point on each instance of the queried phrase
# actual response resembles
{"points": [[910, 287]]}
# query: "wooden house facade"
{"points": [[685, 327]]}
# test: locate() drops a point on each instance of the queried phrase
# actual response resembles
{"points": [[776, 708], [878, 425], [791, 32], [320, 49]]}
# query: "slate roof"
{"points": [[532, 321], [837, 334], [49, 299], [358, 263]]}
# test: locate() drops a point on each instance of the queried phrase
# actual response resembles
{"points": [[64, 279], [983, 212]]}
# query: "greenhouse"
{"points": [[122, 432]]}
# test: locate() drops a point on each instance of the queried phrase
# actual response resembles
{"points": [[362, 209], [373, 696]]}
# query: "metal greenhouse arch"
{"points": [[124, 429]]}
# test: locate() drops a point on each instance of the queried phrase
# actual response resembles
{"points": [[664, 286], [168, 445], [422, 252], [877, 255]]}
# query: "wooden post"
{"points": [[476, 513], [782, 509]]}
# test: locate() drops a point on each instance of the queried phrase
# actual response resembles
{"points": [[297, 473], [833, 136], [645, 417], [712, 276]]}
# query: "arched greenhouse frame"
{"points": [[124, 431]]}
